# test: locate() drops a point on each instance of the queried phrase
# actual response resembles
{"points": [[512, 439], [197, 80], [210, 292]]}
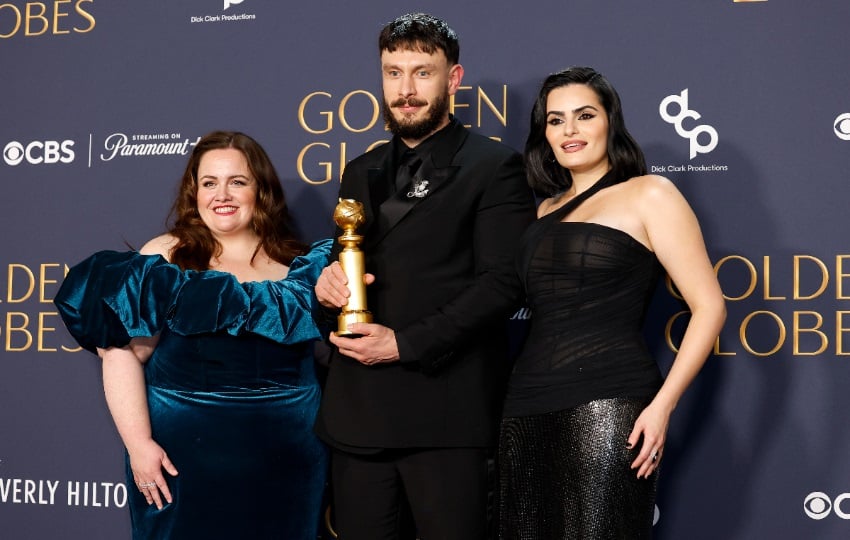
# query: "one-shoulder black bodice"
{"points": [[588, 287]]}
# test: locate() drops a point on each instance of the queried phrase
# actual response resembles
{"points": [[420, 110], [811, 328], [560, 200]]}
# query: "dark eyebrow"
{"points": [[414, 68], [231, 177], [576, 110]]}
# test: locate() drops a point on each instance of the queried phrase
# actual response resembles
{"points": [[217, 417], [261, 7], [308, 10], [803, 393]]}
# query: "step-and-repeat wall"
{"points": [[745, 105]]}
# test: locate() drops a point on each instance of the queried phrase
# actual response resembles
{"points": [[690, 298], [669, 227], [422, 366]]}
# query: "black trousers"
{"points": [[443, 490]]}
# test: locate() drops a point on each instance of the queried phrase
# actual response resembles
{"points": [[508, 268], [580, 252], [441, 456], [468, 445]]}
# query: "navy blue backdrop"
{"points": [[744, 105]]}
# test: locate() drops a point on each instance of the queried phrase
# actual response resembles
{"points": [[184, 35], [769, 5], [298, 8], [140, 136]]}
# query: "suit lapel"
{"points": [[434, 173]]}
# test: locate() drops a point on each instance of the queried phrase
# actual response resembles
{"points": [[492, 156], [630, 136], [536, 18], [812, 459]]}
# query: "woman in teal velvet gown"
{"points": [[206, 338]]}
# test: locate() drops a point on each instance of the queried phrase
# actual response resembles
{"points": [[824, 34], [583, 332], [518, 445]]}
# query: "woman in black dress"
{"points": [[587, 409]]}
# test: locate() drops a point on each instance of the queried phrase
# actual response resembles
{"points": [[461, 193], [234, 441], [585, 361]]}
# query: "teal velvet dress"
{"points": [[231, 389]]}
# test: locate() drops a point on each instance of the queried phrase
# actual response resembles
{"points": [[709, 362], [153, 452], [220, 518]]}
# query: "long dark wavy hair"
{"points": [[545, 174], [420, 32], [271, 221]]}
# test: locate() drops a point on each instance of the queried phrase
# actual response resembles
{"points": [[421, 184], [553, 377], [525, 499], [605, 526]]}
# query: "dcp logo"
{"points": [[842, 126], [228, 3], [684, 112], [818, 505], [38, 152]]}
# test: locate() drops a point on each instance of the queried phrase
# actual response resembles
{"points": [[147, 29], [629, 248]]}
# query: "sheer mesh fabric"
{"points": [[579, 384], [588, 287]]}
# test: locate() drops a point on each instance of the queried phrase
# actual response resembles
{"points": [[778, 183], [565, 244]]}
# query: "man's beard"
{"points": [[418, 129]]}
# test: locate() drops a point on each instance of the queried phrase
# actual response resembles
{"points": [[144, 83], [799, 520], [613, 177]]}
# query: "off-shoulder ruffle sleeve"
{"points": [[112, 297], [282, 311]]}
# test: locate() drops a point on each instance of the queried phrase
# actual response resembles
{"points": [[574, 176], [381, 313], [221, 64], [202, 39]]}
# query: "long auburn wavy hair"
{"points": [[271, 220]]}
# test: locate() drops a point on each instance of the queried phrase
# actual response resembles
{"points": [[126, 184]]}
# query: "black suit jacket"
{"points": [[443, 258]]}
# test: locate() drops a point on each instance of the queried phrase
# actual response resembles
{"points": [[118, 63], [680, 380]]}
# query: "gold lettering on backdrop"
{"points": [[840, 328], [85, 15], [766, 266], [839, 277], [745, 324], [37, 19], [20, 334], [376, 111], [502, 115], [799, 289], [454, 104], [824, 274], [17, 19], [42, 328], [717, 351], [329, 116], [42, 297], [24, 330], [753, 275], [11, 329], [15, 273], [328, 165], [57, 14], [10, 285], [325, 168], [815, 329], [359, 111], [481, 98], [742, 280], [799, 329], [36, 16], [324, 164], [671, 287]]}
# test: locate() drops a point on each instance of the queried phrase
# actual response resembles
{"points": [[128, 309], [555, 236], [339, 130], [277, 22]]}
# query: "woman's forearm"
{"points": [[124, 387]]}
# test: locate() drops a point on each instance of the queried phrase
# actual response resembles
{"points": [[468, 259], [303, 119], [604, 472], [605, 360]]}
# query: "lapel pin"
{"points": [[420, 189]]}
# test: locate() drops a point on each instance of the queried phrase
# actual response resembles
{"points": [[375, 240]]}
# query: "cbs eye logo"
{"points": [[842, 126], [818, 505], [681, 101], [38, 152]]}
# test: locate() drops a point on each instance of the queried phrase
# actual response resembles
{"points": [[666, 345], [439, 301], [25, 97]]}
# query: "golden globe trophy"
{"points": [[348, 215]]}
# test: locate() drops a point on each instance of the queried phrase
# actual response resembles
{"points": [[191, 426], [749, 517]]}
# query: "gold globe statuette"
{"points": [[348, 215]]}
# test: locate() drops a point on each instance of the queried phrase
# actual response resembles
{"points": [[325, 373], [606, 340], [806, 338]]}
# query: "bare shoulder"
{"points": [[653, 184], [652, 190], [161, 245], [662, 208]]}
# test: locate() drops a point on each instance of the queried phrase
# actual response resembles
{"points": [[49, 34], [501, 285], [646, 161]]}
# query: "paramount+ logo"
{"points": [[52, 18], [39, 152], [818, 505]]}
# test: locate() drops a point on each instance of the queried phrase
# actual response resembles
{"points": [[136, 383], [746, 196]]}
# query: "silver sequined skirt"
{"points": [[565, 475]]}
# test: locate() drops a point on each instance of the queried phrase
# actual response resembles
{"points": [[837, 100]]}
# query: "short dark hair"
{"points": [[544, 173], [420, 32], [271, 221]]}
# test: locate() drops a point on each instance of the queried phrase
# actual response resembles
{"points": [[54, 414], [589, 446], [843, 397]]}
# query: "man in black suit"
{"points": [[411, 407]]}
